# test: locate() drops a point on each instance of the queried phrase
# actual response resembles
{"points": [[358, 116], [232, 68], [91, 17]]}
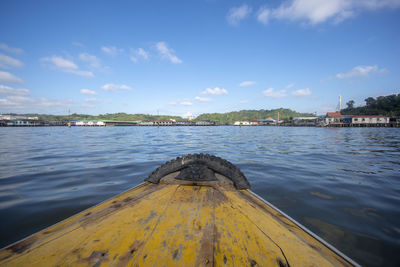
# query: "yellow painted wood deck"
{"points": [[174, 225]]}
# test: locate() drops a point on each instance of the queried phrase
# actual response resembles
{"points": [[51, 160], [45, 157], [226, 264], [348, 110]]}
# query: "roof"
{"points": [[369, 116], [121, 121], [305, 118], [333, 114], [267, 120]]}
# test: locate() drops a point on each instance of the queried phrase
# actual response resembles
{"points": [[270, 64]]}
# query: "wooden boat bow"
{"points": [[196, 210]]}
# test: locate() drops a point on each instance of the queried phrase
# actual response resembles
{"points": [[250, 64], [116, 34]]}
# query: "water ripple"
{"points": [[341, 183]]}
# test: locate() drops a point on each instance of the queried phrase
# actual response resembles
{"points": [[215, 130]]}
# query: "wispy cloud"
{"points": [[66, 65], [78, 44], [360, 71], [247, 83], [167, 53], [18, 102], [263, 15], [115, 87], [270, 92], [236, 14], [7, 77], [139, 53], [10, 49], [92, 60], [88, 92], [112, 50], [93, 100], [202, 99], [186, 103], [215, 91], [290, 85], [319, 11], [9, 62], [7, 90], [244, 101], [188, 115], [302, 92]]}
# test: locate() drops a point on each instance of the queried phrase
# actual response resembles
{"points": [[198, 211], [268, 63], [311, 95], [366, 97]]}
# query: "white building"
{"points": [[369, 119], [241, 123]]}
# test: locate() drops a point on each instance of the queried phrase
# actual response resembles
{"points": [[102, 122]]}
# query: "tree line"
{"points": [[249, 115], [381, 105], [222, 118]]}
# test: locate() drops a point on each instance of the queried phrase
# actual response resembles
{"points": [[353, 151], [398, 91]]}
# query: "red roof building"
{"points": [[333, 114]]}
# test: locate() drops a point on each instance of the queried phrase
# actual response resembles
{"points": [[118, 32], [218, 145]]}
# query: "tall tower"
{"points": [[339, 106]]}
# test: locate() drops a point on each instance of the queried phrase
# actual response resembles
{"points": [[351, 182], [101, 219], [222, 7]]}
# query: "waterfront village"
{"points": [[331, 119]]}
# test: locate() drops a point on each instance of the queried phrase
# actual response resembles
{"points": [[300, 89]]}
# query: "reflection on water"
{"points": [[341, 183]]}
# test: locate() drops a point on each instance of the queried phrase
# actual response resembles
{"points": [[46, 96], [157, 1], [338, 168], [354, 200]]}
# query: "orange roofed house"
{"points": [[333, 117]]}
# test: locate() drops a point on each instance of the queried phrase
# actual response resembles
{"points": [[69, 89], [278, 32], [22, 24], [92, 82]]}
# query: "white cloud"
{"points": [[125, 87], [188, 115], [290, 85], [78, 44], [246, 83], [9, 78], [244, 101], [236, 14], [167, 53], [18, 102], [61, 63], [10, 49], [115, 87], [9, 62], [88, 92], [263, 15], [215, 91], [302, 92], [112, 50], [360, 71], [92, 60], [66, 65], [173, 103], [7, 90], [270, 92], [93, 100], [139, 53], [202, 99], [186, 103], [319, 11]]}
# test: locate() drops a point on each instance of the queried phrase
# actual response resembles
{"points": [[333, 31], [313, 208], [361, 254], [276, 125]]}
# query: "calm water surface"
{"points": [[343, 184]]}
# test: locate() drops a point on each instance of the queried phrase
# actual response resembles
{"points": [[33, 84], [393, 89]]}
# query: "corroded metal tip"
{"points": [[200, 167]]}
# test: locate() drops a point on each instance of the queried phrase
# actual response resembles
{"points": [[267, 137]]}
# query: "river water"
{"points": [[341, 183]]}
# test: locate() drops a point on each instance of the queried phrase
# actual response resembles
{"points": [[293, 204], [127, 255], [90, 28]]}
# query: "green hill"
{"points": [[248, 115], [114, 116], [222, 118]]}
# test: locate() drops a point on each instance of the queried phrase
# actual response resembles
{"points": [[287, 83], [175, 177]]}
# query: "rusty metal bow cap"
{"points": [[200, 167]]}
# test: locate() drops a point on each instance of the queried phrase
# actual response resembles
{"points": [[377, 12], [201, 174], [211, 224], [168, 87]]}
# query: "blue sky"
{"points": [[193, 57]]}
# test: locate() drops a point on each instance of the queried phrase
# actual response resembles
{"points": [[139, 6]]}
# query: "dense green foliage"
{"points": [[230, 117], [382, 105], [114, 116], [249, 115]]}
